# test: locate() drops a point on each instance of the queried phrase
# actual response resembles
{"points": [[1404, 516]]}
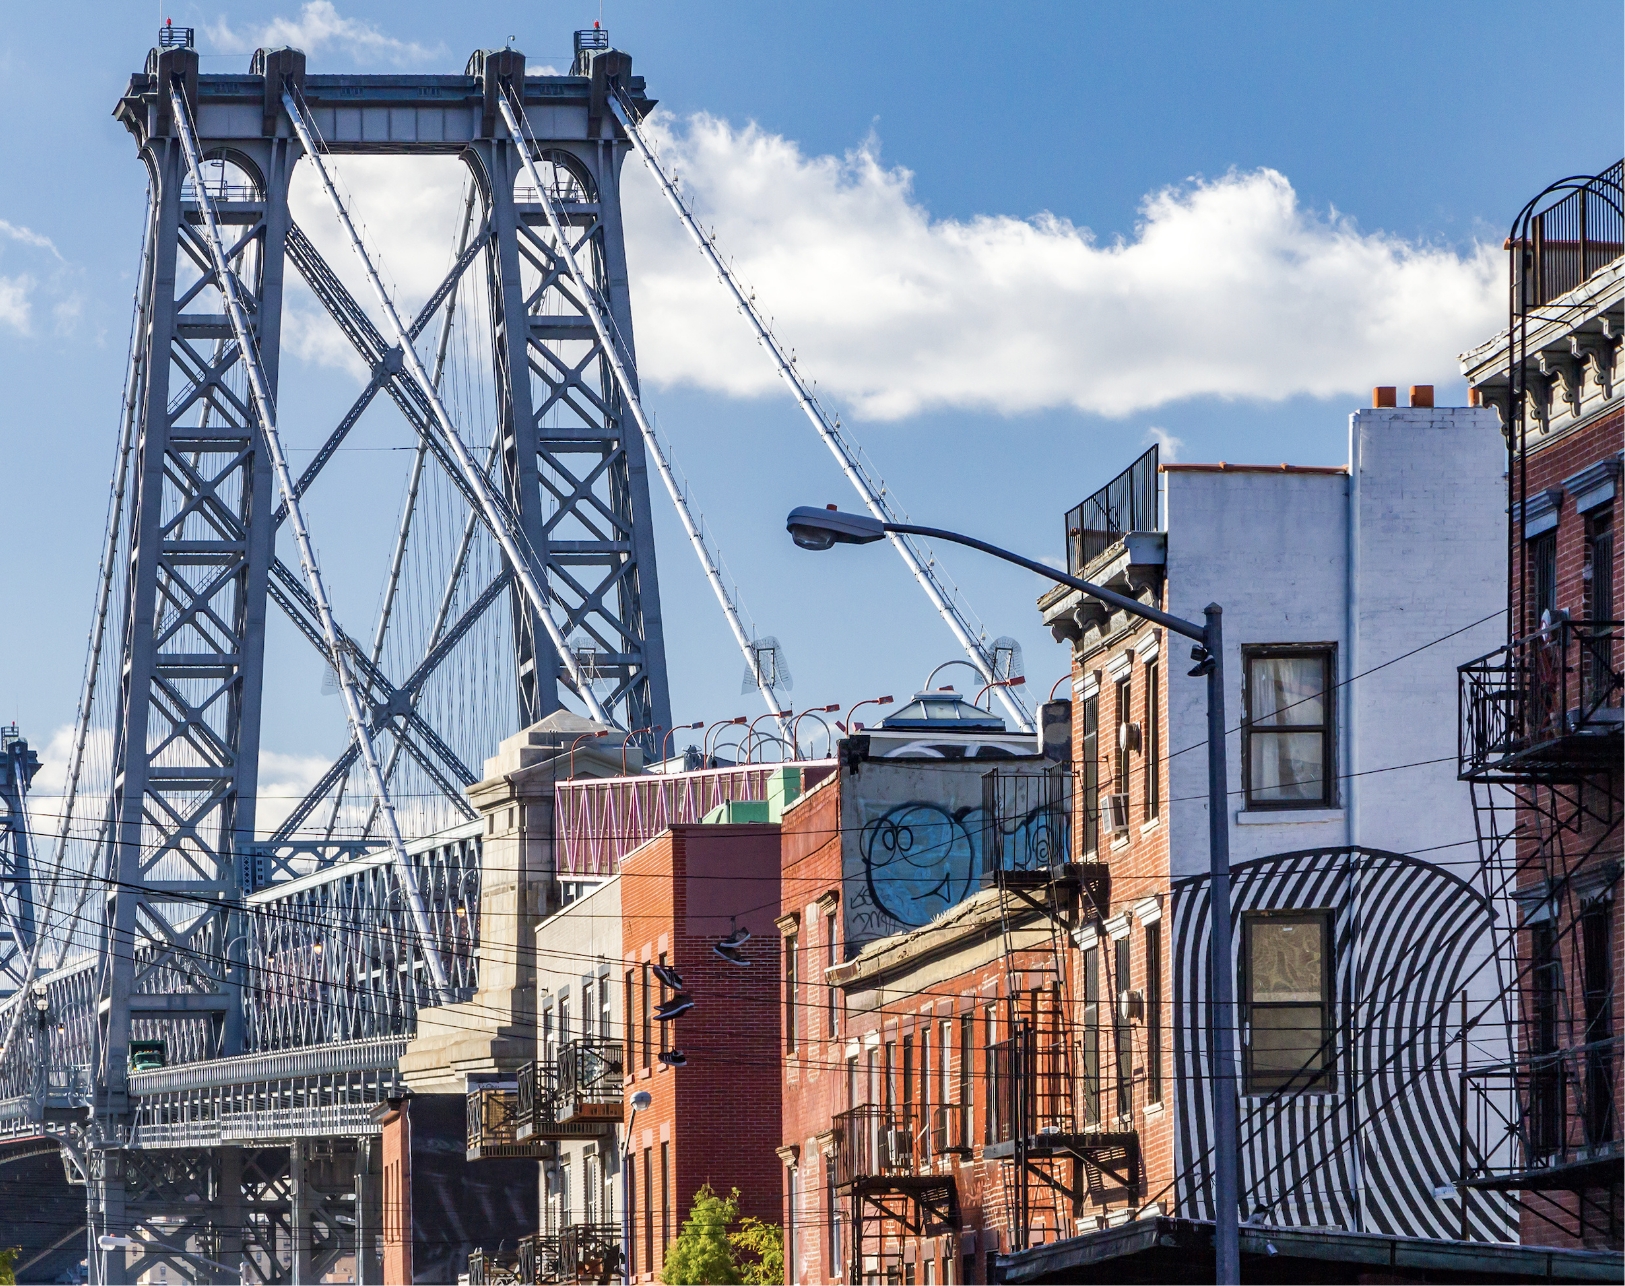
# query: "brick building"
{"points": [[1541, 719]]}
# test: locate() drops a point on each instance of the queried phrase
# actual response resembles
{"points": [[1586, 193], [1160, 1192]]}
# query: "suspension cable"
{"points": [[920, 564], [598, 313], [265, 411], [495, 518]]}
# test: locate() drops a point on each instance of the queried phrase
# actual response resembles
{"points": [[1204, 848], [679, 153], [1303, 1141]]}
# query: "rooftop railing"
{"points": [[1570, 240], [1127, 503]]}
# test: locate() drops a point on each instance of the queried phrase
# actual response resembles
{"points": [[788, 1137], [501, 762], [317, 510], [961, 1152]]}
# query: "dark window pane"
{"points": [[1288, 1046], [1287, 691]]}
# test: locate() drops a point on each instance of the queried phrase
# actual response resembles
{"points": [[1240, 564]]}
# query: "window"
{"points": [[925, 1076], [1546, 1093], [1542, 551], [592, 1188], [1153, 1012], [908, 1073], [665, 1197], [1152, 761], [603, 1004], [852, 1081], [888, 1070], [1599, 567], [832, 1212], [872, 1087], [1596, 979], [1091, 1036], [790, 993], [792, 1261], [944, 1039], [831, 1027], [550, 1037], [588, 1006], [1120, 749], [645, 1036], [649, 1220], [564, 1017], [990, 1069], [564, 1195], [628, 1013], [967, 1074], [1122, 1029], [1091, 773], [1286, 1005], [1287, 759], [632, 1217]]}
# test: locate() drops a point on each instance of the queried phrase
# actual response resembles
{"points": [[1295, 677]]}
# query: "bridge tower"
{"points": [[193, 574]]}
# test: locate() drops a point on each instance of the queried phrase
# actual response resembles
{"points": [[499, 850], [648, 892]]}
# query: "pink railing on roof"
{"points": [[599, 820]]}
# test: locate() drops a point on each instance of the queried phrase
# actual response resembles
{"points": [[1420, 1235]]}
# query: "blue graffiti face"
{"points": [[919, 859]]}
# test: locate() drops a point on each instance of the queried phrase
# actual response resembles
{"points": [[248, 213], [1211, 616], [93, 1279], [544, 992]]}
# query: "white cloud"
{"points": [[16, 309], [1171, 445], [284, 780], [1229, 287], [28, 237], [318, 27]]}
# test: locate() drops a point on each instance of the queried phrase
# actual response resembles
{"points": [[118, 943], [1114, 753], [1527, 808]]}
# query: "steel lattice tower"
{"points": [[200, 567]]}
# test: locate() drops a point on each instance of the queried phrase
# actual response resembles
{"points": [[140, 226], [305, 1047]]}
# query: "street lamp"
{"points": [[641, 1102], [751, 731], [682, 727], [814, 528], [998, 683], [586, 736], [852, 727], [720, 723], [795, 725], [653, 727]]}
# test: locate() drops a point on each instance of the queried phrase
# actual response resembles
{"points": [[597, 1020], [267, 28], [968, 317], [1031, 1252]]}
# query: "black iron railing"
{"points": [[1569, 241], [1544, 1114], [1127, 503], [874, 1141], [589, 1080], [492, 1112], [1029, 1087], [1027, 820], [1547, 705], [172, 37], [590, 1252], [489, 1270], [538, 1259]]}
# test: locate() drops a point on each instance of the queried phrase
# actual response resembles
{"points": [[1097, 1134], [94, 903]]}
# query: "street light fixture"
{"points": [[586, 736], [682, 727], [653, 727], [795, 725], [642, 1101], [720, 723], [751, 731], [813, 528], [999, 683], [851, 726]]}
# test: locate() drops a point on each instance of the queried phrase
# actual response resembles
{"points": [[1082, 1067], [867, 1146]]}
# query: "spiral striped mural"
{"points": [[1378, 1152]]}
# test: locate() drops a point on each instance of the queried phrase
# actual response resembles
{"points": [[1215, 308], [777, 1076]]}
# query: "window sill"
{"points": [[1152, 1110], [1151, 826], [1120, 842], [1289, 816]]}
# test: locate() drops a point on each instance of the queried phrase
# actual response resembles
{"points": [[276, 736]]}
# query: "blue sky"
{"points": [[1334, 180]]}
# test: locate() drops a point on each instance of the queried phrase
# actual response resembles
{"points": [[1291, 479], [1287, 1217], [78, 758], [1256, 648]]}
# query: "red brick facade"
{"points": [[715, 1120]]}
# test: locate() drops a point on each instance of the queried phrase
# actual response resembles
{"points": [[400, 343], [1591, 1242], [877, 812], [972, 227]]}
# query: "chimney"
{"points": [[1421, 395], [1385, 395]]}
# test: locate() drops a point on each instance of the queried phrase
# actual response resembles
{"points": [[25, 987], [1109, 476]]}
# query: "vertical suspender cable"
{"points": [[494, 516], [266, 412], [845, 456], [598, 314]]}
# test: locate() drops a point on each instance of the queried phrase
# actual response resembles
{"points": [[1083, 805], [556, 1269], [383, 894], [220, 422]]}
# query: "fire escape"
{"points": [[1049, 1126], [574, 1094], [1540, 742]]}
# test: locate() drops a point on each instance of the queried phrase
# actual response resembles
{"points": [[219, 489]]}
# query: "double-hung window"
{"points": [[1287, 727], [1287, 1000]]}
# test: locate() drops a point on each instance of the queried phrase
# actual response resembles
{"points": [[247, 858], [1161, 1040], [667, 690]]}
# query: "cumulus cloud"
{"points": [[1171, 445], [1228, 287], [16, 308], [320, 26]]}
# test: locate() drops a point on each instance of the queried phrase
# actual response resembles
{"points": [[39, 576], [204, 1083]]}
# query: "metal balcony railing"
{"points": [[493, 1120], [539, 1259], [1029, 1088], [1546, 707], [589, 1080], [590, 1252], [1544, 1120], [1027, 820], [1127, 503], [902, 1141], [487, 1270]]}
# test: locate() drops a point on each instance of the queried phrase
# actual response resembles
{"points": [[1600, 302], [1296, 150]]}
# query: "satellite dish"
{"points": [[767, 661], [1006, 657]]}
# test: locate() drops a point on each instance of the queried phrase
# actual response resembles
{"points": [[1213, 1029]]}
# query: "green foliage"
{"points": [[764, 1243], [702, 1255], [8, 1266]]}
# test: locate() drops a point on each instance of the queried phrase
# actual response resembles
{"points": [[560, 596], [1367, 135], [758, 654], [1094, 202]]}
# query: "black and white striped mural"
{"points": [[1377, 1150]]}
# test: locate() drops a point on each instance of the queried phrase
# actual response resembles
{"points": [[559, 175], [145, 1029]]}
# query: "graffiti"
{"points": [[921, 858]]}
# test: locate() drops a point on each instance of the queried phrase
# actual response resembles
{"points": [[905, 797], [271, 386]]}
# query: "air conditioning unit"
{"points": [[1130, 1005], [896, 1149], [1117, 813], [1128, 736]]}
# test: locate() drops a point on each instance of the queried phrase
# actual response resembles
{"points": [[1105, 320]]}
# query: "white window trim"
{"points": [[1089, 686], [1148, 910], [1119, 666], [1291, 816], [1117, 928], [1148, 648]]}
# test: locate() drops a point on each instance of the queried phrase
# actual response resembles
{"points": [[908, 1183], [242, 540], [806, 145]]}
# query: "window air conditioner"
{"points": [[1130, 1005], [1117, 812], [1128, 736]]}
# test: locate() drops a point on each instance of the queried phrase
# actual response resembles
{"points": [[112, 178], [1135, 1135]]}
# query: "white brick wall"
{"points": [[1409, 546]]}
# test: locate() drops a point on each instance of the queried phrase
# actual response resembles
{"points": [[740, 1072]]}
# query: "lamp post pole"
{"points": [[821, 528], [640, 1100]]}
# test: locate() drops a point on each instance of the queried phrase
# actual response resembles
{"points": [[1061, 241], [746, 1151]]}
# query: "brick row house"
{"points": [[1541, 721]]}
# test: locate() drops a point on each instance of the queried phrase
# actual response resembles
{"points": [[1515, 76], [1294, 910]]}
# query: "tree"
{"points": [[765, 1243], [8, 1265], [702, 1255]]}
